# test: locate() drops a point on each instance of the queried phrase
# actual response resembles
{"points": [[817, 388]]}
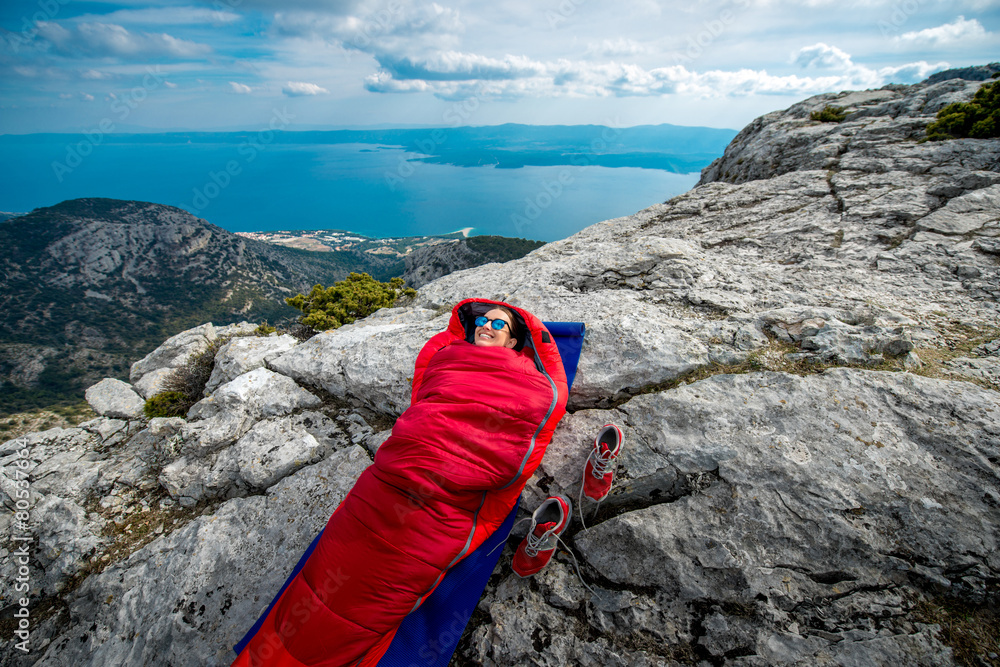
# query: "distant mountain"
{"points": [[90, 285], [434, 261], [974, 73]]}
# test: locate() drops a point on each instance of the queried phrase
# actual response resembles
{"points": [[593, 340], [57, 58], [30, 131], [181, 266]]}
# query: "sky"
{"points": [[129, 66]]}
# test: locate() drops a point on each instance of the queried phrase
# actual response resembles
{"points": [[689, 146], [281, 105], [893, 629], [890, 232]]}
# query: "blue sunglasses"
{"points": [[497, 324]]}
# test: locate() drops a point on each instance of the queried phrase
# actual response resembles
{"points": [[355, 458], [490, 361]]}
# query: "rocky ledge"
{"points": [[803, 352]]}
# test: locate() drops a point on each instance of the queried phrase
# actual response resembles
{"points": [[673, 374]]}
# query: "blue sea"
{"points": [[369, 189]]}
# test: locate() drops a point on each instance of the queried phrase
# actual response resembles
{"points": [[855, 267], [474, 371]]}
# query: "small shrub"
{"points": [[167, 404], [357, 296], [191, 379], [829, 114], [186, 385], [977, 119], [264, 329]]}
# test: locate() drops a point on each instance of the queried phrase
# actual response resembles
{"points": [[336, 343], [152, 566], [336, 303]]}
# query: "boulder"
{"points": [[230, 412], [369, 362], [115, 399], [269, 452], [242, 355], [173, 353]]}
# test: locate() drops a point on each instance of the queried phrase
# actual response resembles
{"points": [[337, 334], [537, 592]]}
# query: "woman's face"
{"points": [[487, 336]]}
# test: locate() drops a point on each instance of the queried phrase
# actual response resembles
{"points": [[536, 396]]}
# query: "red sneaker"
{"points": [[599, 472], [548, 522]]}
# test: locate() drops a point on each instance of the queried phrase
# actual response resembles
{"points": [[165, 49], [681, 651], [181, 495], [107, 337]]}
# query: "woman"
{"points": [[480, 418]]}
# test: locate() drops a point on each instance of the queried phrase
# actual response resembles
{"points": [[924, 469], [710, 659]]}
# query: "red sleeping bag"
{"points": [[478, 424]]}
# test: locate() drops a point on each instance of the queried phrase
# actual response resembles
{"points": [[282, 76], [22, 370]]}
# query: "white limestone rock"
{"points": [[230, 412], [115, 399], [369, 362], [242, 355], [173, 353], [66, 539], [188, 597]]}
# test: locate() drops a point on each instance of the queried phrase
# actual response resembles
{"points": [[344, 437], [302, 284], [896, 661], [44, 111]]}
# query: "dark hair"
{"points": [[515, 328]]}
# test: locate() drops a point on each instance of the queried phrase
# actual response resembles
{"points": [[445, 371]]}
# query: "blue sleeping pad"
{"points": [[429, 635]]}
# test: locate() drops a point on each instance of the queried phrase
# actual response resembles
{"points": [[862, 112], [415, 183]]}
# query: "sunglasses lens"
{"points": [[481, 321], [499, 324]]}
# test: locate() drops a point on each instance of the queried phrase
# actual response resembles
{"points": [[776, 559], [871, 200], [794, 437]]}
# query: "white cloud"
{"points": [[94, 75], [87, 97], [911, 72], [956, 33], [456, 66], [299, 89], [170, 84], [101, 40], [166, 16], [395, 28], [240, 88], [454, 75], [821, 56]]}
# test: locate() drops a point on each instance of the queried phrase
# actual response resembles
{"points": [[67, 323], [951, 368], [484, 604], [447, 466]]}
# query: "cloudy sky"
{"points": [[68, 65]]}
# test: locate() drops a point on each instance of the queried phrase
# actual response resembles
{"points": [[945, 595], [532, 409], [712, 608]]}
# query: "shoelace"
{"points": [[535, 542], [576, 564], [601, 464]]}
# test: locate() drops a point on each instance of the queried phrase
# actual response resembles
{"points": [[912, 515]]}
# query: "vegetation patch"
{"points": [[829, 114], [501, 248], [959, 341], [62, 416], [972, 631], [167, 404], [353, 298], [127, 534], [186, 385], [976, 119]]}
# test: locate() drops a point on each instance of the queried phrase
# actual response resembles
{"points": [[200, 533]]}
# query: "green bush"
{"points": [[978, 119], [829, 114], [357, 296], [264, 329], [167, 404]]}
